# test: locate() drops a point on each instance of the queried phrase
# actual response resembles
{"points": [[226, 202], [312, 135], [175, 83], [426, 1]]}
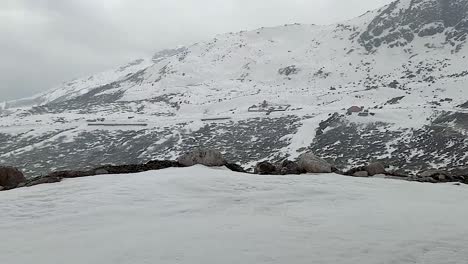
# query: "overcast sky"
{"points": [[46, 42]]}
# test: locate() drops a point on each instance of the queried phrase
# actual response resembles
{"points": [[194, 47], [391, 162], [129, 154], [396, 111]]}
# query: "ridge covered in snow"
{"points": [[268, 93]]}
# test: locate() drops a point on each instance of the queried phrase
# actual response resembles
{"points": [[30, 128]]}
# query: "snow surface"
{"points": [[202, 215]]}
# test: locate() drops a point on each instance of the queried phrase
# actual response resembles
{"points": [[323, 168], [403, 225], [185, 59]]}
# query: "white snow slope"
{"points": [[202, 215]]}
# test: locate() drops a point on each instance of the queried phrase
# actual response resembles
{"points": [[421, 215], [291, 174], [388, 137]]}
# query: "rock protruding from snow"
{"points": [[265, 168], [290, 167], [361, 174], [375, 168], [437, 175], [10, 177], [205, 157], [313, 164]]}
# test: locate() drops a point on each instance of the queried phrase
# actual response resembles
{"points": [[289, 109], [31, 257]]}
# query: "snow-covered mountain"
{"points": [[389, 85]]}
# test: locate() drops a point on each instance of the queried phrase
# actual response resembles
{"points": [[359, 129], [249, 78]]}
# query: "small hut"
{"points": [[355, 109]]}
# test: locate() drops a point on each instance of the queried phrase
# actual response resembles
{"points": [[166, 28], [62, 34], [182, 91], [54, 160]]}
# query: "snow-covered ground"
{"points": [[202, 215]]}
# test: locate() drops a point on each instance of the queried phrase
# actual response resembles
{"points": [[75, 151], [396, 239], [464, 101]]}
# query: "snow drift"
{"points": [[202, 215]]}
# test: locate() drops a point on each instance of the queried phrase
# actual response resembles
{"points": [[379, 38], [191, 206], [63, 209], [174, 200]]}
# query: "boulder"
{"points": [[361, 174], [288, 167], [208, 157], [310, 163], [265, 168], [375, 168], [235, 167], [429, 179], [10, 177], [1, 188]]}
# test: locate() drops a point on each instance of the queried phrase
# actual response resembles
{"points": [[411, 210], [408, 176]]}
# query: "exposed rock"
{"points": [[70, 174], [428, 179], [1, 188], [288, 70], [398, 25], [288, 167], [204, 157], [121, 169], [108, 169], [399, 173], [101, 171], [265, 168], [430, 173], [42, 180], [375, 168], [310, 163], [161, 164], [352, 171], [361, 174], [235, 167], [135, 168], [437, 175], [396, 99], [10, 177]]}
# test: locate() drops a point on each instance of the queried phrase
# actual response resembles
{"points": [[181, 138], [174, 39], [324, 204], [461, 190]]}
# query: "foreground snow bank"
{"points": [[202, 215]]}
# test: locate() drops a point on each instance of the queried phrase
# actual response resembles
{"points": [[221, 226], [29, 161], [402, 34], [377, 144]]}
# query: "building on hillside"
{"points": [[355, 109]]}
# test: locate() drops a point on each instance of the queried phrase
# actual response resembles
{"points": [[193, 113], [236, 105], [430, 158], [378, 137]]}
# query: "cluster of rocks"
{"points": [[11, 178], [370, 170], [438, 176], [306, 163], [310, 163]]}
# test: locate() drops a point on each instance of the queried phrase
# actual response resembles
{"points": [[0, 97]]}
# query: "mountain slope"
{"points": [[405, 64]]}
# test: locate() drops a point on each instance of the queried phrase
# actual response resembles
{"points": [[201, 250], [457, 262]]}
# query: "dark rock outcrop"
{"points": [[206, 157], [133, 168], [11, 177], [437, 175], [235, 167], [398, 25], [367, 171], [375, 168], [361, 174], [70, 174], [288, 167], [265, 168], [42, 180]]}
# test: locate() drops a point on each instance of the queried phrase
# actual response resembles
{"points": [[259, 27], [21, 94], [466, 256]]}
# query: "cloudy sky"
{"points": [[46, 42]]}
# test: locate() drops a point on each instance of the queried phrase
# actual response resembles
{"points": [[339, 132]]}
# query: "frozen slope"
{"points": [[202, 215]]}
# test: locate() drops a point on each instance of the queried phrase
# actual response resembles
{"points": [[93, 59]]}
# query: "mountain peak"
{"points": [[402, 21]]}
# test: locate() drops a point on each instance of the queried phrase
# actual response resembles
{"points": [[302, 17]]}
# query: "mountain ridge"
{"points": [[270, 93]]}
